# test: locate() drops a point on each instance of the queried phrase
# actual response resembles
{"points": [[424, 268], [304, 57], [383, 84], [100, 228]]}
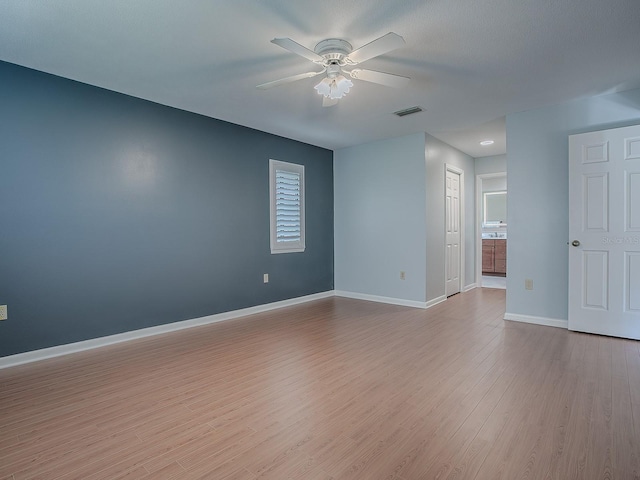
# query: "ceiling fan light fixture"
{"points": [[324, 87], [332, 55], [334, 88]]}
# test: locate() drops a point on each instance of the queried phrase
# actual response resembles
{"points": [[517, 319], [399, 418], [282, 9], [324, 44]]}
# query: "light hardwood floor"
{"points": [[337, 388]]}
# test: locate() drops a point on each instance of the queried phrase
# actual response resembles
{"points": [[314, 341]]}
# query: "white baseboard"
{"points": [[42, 354], [470, 287], [380, 299], [57, 351], [549, 322]]}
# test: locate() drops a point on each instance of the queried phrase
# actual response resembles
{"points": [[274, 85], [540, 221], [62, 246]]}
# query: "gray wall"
{"points": [[497, 184], [380, 218], [438, 154], [493, 164], [389, 211], [538, 214], [118, 214]]}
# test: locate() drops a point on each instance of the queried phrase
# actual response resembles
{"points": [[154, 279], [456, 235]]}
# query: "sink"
{"points": [[494, 236]]}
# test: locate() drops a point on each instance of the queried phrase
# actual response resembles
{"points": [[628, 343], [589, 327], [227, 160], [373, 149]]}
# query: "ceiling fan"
{"points": [[333, 55]]}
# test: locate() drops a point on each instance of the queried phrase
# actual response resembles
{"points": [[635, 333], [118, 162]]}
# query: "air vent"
{"points": [[407, 111]]}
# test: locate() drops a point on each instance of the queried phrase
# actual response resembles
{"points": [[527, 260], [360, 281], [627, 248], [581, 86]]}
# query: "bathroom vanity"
{"points": [[494, 256]]}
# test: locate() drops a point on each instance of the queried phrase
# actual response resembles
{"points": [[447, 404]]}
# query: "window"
{"points": [[286, 192]]}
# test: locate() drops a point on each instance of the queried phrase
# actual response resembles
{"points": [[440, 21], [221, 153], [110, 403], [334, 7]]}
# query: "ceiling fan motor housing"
{"points": [[333, 51], [333, 70]]}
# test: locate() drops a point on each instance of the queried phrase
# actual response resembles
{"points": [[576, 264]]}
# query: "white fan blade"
{"points": [[290, 79], [298, 49], [380, 46], [329, 102], [387, 79]]}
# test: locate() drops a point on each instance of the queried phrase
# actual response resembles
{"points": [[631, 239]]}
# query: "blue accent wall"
{"points": [[118, 214]]}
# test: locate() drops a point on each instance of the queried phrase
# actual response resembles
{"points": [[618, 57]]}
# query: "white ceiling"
{"points": [[471, 62]]}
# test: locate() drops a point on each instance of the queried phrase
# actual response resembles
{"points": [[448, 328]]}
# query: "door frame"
{"points": [[458, 171], [479, 191]]}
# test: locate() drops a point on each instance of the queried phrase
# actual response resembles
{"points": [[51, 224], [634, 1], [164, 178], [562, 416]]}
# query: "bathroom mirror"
{"points": [[495, 209]]}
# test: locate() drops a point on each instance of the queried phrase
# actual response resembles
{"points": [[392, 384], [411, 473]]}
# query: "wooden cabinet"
{"points": [[494, 256], [488, 257], [500, 257]]}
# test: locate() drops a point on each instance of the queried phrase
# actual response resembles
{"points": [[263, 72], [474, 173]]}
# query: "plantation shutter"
{"points": [[287, 207]]}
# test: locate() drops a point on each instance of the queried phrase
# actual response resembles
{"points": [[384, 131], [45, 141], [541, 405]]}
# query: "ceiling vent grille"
{"points": [[407, 111]]}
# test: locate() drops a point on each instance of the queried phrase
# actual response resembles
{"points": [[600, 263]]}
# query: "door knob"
{"points": [[575, 243]]}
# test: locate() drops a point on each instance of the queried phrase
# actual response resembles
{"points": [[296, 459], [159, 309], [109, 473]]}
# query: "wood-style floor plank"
{"points": [[332, 390]]}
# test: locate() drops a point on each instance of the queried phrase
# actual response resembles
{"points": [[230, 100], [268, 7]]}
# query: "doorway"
{"points": [[454, 235], [491, 226]]}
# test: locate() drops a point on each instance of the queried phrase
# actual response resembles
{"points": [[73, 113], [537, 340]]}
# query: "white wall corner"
{"points": [[470, 287], [548, 322], [436, 301]]}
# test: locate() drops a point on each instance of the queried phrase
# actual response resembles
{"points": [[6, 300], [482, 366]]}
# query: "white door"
{"points": [[604, 232], [452, 226]]}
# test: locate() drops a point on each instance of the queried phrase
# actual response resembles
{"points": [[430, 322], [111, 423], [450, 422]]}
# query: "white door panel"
{"points": [[604, 231], [595, 198], [453, 235], [632, 282], [596, 282], [633, 202]]}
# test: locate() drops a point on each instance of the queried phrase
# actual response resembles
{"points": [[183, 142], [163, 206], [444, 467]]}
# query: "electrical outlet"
{"points": [[402, 276], [528, 284], [3, 312], [265, 278]]}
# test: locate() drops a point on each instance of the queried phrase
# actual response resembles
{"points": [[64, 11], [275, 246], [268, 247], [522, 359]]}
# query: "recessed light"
{"points": [[484, 143]]}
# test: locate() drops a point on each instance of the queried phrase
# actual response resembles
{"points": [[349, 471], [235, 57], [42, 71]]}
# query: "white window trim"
{"points": [[285, 247]]}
